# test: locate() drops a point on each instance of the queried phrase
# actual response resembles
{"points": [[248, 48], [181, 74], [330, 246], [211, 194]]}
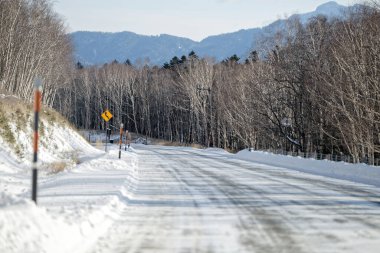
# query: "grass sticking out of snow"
{"points": [[5, 130], [21, 119], [57, 167], [59, 143], [174, 144]]}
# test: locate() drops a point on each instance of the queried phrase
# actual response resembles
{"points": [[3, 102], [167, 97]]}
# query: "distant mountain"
{"points": [[99, 47], [93, 48]]}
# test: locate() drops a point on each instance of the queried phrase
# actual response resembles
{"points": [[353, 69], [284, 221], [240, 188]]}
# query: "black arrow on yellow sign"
{"points": [[107, 115]]}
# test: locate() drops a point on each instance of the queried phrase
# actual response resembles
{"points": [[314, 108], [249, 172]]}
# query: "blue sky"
{"points": [[194, 19]]}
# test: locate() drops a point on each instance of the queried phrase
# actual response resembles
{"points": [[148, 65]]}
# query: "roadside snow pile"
{"points": [[141, 140], [75, 207], [360, 173], [28, 228]]}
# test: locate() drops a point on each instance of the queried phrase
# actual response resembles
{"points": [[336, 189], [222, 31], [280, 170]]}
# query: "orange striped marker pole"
{"points": [[37, 108], [121, 139]]}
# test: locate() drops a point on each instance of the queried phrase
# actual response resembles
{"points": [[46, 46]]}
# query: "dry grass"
{"points": [[53, 117], [70, 159], [75, 158], [173, 143], [56, 167], [22, 113], [161, 142], [99, 144], [18, 108], [5, 129], [19, 112]]}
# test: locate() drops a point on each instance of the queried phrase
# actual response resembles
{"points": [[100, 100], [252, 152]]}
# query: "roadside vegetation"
{"points": [[16, 124], [310, 88]]}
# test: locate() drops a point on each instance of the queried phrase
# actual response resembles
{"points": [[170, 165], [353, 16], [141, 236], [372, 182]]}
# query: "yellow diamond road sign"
{"points": [[107, 115]]}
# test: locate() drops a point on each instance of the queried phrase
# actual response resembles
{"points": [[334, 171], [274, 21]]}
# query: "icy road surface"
{"points": [[188, 200]]}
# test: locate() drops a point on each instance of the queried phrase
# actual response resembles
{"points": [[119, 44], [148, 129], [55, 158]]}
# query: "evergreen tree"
{"points": [[79, 65], [183, 59], [253, 57], [232, 59], [174, 61], [193, 55]]}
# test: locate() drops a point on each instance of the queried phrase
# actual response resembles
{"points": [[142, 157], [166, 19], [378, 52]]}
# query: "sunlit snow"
{"points": [[175, 199]]}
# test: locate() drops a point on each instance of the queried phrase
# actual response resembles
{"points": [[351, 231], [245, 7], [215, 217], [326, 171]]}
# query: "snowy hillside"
{"points": [[63, 153], [60, 145]]}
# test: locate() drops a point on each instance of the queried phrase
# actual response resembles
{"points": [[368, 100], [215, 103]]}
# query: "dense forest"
{"points": [[309, 88], [33, 42]]}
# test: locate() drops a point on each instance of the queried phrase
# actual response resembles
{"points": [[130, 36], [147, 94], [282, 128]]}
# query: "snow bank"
{"points": [[58, 143], [75, 208], [360, 173], [28, 228]]}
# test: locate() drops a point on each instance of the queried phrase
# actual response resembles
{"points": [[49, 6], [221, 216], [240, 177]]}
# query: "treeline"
{"points": [[316, 90], [33, 42], [311, 88]]}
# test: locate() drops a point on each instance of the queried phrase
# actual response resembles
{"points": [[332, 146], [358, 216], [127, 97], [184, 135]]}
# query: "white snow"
{"points": [[360, 173], [75, 207], [176, 199]]}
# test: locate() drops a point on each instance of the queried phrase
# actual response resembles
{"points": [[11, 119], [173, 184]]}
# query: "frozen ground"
{"points": [[170, 199]]}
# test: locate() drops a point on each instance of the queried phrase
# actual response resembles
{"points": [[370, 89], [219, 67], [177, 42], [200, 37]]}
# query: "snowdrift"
{"points": [[359, 173]]}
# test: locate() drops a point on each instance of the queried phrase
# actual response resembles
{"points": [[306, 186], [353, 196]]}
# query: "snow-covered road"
{"points": [[186, 200], [170, 199]]}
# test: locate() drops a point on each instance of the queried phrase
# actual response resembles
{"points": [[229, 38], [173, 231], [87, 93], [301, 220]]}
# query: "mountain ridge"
{"points": [[94, 48]]}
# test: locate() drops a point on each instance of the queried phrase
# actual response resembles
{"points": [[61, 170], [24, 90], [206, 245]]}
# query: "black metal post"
{"points": [[121, 139], [106, 135]]}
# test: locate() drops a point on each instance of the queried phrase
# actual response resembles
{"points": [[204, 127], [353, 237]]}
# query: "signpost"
{"points": [[37, 108], [126, 139], [121, 139], [106, 115]]}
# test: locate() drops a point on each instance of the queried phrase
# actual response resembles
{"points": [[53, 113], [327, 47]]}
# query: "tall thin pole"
{"points": [[126, 139], [37, 108], [106, 136], [121, 139]]}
